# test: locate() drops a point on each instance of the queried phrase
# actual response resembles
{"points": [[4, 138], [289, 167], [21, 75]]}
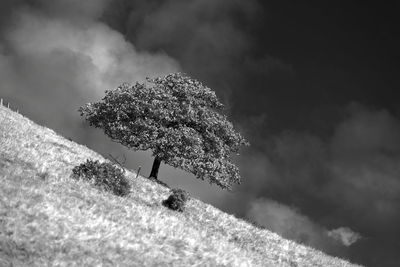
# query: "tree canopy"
{"points": [[178, 119]]}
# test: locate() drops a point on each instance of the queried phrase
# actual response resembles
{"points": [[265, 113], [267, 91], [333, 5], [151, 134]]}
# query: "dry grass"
{"points": [[47, 218]]}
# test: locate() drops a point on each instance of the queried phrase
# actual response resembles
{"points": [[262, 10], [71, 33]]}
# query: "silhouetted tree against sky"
{"points": [[178, 119]]}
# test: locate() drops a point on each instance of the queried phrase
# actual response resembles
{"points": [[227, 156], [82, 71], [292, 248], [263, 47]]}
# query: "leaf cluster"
{"points": [[178, 119], [103, 175]]}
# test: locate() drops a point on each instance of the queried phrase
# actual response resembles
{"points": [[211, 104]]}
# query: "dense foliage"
{"points": [[178, 119], [103, 175], [177, 200]]}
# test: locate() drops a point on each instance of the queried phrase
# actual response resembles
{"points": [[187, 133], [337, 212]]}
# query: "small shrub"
{"points": [[104, 175], [177, 200]]}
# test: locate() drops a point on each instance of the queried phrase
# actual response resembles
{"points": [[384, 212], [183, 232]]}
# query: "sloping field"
{"points": [[49, 219]]}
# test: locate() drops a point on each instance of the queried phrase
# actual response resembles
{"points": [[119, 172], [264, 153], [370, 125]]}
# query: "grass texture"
{"points": [[49, 219]]}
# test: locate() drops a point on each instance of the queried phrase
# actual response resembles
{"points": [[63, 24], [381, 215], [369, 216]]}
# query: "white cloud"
{"points": [[288, 222], [58, 63], [344, 235], [106, 58]]}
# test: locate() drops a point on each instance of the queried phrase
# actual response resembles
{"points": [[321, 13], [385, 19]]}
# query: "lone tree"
{"points": [[177, 118]]}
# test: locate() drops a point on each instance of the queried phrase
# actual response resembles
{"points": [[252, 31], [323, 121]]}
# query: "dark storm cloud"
{"points": [[210, 39], [71, 9]]}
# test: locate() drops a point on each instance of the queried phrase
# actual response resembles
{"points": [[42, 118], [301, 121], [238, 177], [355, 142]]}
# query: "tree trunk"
{"points": [[155, 168]]}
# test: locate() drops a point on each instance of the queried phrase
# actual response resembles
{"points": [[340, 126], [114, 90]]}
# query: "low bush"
{"points": [[177, 200], [106, 176]]}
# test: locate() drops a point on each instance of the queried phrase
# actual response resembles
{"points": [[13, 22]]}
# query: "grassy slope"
{"points": [[46, 218]]}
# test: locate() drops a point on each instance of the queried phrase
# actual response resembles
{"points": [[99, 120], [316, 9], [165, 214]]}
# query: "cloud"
{"points": [[350, 177], [357, 167], [366, 131], [209, 26], [57, 61], [72, 9], [210, 39], [104, 56], [344, 235], [290, 223], [365, 160], [284, 220]]}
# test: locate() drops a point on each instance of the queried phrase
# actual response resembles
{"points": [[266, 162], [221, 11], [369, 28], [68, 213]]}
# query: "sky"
{"points": [[311, 85]]}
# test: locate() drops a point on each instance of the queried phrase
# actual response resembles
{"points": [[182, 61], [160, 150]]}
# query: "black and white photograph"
{"points": [[199, 133]]}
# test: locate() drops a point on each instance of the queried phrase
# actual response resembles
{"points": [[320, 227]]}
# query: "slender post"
{"points": [[138, 171], [1, 101], [8, 105]]}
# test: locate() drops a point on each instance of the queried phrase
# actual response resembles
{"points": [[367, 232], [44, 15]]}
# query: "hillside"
{"points": [[47, 218]]}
